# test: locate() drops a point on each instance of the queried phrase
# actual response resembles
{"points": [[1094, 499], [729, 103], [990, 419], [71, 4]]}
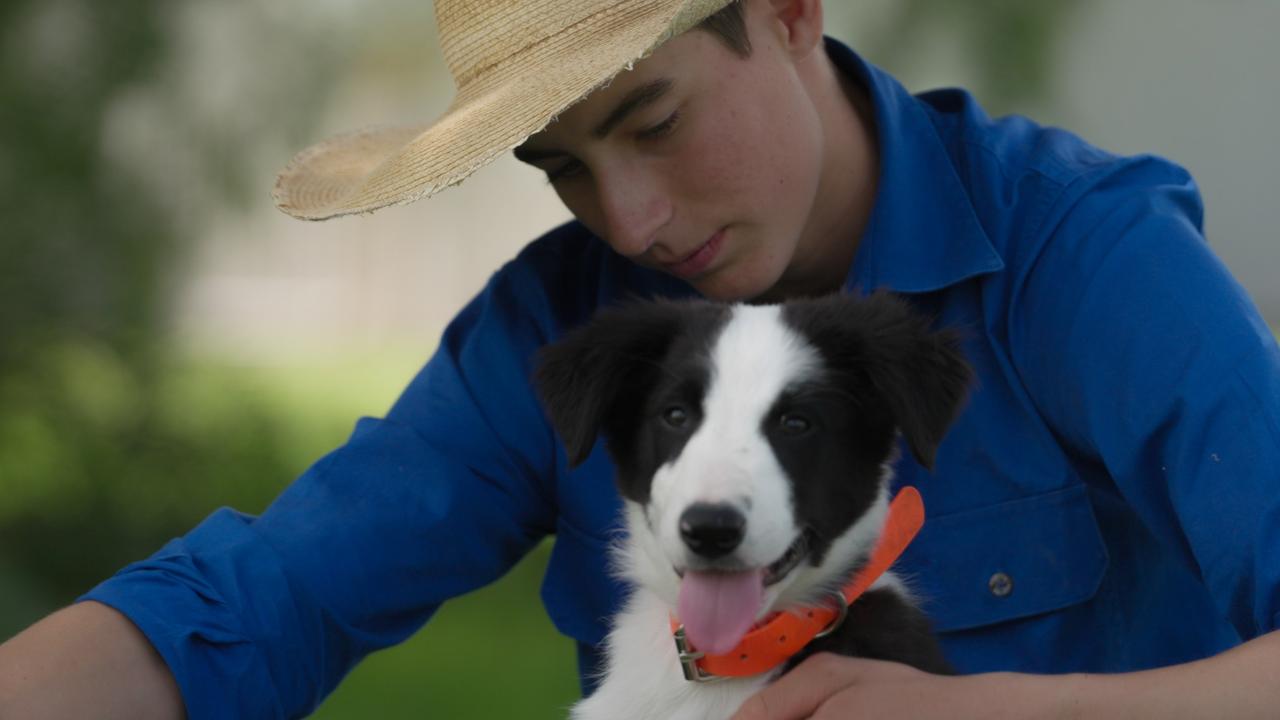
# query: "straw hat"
{"points": [[517, 64]]}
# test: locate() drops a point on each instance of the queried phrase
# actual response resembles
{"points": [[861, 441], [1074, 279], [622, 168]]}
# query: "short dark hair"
{"points": [[729, 24]]}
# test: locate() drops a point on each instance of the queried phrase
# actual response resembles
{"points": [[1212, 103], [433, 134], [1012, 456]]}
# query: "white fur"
{"points": [[726, 460]]}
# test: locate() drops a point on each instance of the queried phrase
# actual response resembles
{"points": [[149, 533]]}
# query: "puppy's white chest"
{"points": [[644, 681]]}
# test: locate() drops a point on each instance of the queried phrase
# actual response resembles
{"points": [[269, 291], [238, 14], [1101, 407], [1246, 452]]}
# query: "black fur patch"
{"points": [[886, 358], [621, 373], [884, 371]]}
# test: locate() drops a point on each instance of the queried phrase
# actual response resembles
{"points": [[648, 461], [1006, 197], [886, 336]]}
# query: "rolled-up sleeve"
{"points": [[261, 617], [1146, 355]]}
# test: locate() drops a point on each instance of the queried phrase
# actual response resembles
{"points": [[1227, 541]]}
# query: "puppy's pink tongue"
{"points": [[717, 609]]}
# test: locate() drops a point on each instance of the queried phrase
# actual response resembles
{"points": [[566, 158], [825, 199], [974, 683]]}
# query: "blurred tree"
{"points": [[80, 247], [109, 165]]}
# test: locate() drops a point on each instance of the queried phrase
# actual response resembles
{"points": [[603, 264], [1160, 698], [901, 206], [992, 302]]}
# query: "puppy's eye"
{"points": [[675, 416], [794, 423]]}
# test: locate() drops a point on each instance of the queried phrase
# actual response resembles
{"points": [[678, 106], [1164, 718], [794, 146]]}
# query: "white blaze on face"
{"points": [[728, 459]]}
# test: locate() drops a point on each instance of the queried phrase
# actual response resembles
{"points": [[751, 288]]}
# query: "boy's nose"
{"points": [[634, 210], [712, 531]]}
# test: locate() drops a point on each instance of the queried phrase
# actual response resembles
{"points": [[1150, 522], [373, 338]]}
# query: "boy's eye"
{"points": [[565, 171], [661, 129]]}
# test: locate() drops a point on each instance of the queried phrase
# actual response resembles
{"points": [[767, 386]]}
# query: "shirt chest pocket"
{"points": [[1008, 561]]}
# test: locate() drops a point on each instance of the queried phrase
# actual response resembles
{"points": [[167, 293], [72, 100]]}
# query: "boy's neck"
{"points": [[846, 190]]}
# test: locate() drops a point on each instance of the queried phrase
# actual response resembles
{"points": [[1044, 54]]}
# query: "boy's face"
{"points": [[699, 163]]}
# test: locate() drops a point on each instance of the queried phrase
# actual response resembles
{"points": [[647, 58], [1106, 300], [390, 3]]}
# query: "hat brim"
{"points": [[371, 169]]}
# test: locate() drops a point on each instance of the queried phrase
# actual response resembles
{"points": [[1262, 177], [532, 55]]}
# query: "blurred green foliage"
{"points": [[82, 249], [81, 264], [105, 450], [1012, 43], [99, 464]]}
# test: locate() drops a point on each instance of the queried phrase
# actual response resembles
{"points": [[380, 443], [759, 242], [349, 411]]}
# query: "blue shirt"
{"points": [[1109, 499]]}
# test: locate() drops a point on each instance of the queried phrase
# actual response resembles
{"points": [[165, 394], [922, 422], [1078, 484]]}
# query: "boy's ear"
{"points": [[918, 373], [799, 24], [600, 370]]}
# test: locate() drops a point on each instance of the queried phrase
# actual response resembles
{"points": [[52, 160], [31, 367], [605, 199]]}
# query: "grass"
{"points": [[490, 654]]}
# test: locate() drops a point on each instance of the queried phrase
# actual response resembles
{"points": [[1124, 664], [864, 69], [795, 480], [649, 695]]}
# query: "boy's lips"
{"points": [[697, 261]]}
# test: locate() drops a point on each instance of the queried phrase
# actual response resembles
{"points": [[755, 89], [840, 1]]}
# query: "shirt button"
{"points": [[1000, 585]]}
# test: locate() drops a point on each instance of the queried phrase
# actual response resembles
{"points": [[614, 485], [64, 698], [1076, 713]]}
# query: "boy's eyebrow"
{"points": [[638, 98]]}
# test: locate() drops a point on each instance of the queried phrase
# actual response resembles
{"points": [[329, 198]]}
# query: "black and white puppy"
{"points": [[753, 448]]}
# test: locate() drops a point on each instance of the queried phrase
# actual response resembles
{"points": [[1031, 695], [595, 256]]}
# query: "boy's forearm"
{"points": [[1241, 683], [86, 660]]}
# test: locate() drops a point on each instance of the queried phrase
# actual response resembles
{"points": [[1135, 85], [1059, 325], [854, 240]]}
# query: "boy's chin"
{"points": [[726, 286]]}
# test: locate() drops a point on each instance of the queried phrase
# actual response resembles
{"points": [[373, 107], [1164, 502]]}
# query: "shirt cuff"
{"points": [[219, 671]]}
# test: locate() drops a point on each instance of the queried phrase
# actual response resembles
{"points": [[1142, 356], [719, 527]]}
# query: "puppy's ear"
{"points": [[924, 379], [918, 373], [601, 370]]}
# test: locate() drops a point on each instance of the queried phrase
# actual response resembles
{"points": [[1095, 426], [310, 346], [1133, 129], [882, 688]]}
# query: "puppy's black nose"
{"points": [[712, 531]]}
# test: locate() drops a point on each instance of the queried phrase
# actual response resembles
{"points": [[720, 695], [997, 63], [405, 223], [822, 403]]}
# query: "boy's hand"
{"points": [[831, 686]]}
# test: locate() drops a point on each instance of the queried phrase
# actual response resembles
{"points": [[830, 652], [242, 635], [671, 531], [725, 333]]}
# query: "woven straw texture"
{"points": [[516, 64]]}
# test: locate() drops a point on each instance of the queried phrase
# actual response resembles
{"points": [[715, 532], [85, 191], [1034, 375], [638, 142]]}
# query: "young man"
{"points": [[1104, 518]]}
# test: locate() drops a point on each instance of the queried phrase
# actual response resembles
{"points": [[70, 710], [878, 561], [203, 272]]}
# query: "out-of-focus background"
{"points": [[169, 343]]}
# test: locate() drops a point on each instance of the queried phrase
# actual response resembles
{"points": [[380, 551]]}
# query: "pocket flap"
{"points": [[1007, 561]]}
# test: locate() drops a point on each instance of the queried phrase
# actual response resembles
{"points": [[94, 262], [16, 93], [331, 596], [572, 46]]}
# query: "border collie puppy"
{"points": [[753, 447]]}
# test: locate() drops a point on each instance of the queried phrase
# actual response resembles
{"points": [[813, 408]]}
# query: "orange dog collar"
{"points": [[774, 642]]}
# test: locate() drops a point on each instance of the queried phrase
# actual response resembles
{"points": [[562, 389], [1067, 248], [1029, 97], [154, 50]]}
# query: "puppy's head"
{"points": [[752, 444]]}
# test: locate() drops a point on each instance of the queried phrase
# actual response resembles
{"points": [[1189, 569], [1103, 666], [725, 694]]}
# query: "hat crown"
{"points": [[478, 35]]}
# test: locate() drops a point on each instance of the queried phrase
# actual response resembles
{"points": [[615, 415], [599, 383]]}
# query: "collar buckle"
{"points": [[689, 660], [842, 612]]}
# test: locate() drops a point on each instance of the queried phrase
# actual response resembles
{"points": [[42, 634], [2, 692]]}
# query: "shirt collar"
{"points": [[923, 234]]}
